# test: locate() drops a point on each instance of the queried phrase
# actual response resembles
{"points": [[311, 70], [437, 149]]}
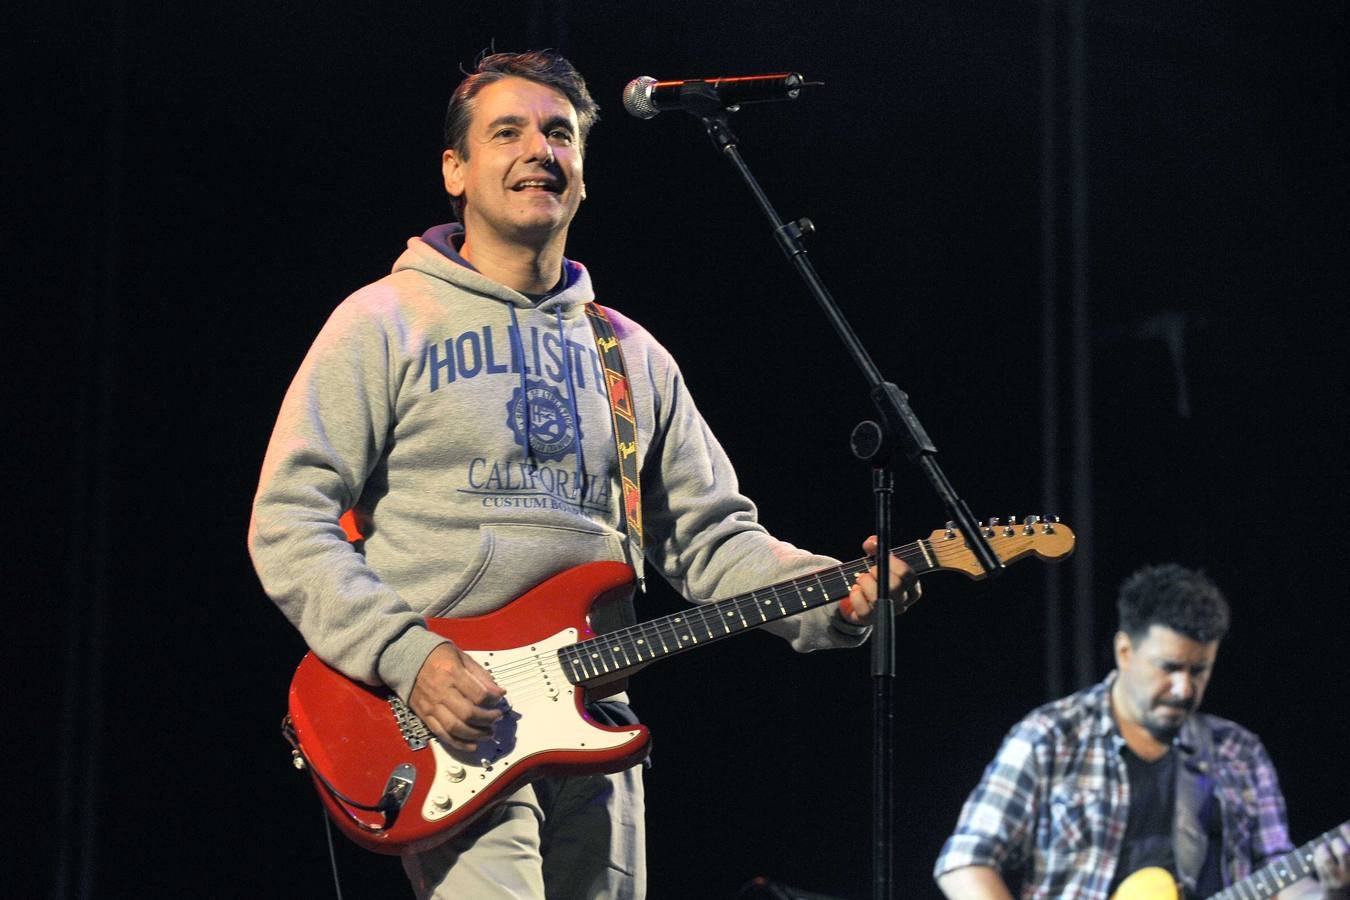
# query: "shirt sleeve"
{"points": [[1271, 838], [997, 822], [332, 430]]}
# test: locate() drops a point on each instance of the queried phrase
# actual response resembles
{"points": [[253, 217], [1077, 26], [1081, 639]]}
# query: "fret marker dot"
{"points": [[731, 615]]}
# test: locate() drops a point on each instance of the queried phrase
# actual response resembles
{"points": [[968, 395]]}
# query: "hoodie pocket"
{"points": [[512, 558]]}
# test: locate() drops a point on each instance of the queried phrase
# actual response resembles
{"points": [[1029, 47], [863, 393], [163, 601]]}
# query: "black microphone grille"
{"points": [[637, 97]]}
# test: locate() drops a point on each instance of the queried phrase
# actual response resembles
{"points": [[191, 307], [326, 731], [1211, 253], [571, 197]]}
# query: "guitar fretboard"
{"points": [[615, 653], [1275, 877]]}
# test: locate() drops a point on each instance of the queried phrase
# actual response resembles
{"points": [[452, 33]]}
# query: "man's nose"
{"points": [[1182, 685], [538, 149]]}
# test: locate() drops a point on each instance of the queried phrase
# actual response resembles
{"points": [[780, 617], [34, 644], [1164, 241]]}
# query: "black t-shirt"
{"points": [[1153, 803]]}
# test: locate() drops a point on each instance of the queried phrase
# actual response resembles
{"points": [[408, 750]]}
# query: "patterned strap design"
{"points": [[625, 430]]}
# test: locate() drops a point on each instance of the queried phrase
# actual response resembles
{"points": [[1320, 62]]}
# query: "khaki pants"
{"points": [[568, 838]]}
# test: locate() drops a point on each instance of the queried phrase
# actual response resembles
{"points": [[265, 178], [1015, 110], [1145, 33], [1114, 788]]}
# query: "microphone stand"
{"points": [[874, 442]]}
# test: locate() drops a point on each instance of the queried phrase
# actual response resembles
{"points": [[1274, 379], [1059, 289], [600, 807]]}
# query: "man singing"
{"points": [[457, 406]]}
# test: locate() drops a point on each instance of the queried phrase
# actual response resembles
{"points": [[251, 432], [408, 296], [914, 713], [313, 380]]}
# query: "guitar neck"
{"points": [[615, 654], [1275, 877]]}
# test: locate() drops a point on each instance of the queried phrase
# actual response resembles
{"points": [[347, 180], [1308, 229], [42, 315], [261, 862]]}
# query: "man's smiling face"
{"points": [[521, 170]]}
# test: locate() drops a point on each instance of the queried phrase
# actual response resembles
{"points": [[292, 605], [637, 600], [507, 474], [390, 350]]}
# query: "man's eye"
{"points": [[561, 134], [506, 133]]}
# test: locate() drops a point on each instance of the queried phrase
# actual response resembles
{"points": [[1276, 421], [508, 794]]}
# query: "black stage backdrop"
{"points": [[198, 184]]}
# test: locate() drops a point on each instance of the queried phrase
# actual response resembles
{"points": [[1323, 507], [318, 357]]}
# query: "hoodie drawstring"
{"points": [[518, 347], [572, 402]]}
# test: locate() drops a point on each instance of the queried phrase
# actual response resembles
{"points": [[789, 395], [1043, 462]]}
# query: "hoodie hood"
{"points": [[436, 254]]}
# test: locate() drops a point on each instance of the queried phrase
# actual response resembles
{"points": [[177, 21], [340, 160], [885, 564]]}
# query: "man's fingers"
{"points": [[1332, 861], [462, 724], [492, 691], [455, 734], [456, 698]]}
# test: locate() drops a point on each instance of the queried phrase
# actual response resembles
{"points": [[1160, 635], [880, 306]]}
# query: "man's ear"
{"points": [[583, 190], [452, 172], [1123, 647]]}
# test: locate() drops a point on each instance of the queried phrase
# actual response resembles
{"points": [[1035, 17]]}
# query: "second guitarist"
{"points": [[1127, 775]]}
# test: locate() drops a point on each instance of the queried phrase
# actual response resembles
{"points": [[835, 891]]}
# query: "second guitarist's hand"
{"points": [[860, 604], [1332, 861], [456, 698]]}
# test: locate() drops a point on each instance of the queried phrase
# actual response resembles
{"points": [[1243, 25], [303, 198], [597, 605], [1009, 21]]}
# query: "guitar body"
{"points": [[1157, 884], [362, 746], [1153, 883]]}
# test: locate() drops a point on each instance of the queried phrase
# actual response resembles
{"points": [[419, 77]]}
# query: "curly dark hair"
{"points": [[542, 66], [1184, 600]]}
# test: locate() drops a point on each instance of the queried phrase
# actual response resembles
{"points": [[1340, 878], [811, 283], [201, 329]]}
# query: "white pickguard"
{"points": [[542, 716]]}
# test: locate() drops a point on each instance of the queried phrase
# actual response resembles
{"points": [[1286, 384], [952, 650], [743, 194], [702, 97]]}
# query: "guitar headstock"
{"points": [[1044, 537]]}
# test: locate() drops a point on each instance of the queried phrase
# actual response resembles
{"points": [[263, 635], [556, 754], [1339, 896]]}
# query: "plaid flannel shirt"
{"points": [[1055, 800]]}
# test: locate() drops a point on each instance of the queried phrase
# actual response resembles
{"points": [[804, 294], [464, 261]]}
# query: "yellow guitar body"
{"points": [[1152, 883]]}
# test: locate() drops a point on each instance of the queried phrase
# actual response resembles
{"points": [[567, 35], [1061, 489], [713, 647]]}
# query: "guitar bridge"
{"points": [[413, 729]]}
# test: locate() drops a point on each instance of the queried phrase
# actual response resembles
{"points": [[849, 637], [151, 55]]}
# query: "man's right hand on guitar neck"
{"points": [[456, 698]]}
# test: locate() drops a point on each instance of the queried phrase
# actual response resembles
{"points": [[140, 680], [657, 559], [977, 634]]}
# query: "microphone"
{"points": [[644, 96]]}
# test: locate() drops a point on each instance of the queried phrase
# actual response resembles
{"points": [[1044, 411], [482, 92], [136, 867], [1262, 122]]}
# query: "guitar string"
{"points": [[523, 677], [625, 636], [914, 551]]}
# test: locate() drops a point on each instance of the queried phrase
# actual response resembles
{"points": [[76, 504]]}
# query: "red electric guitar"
{"points": [[391, 787]]}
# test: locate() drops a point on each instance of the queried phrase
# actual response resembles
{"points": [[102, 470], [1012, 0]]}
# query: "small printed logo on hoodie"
{"points": [[543, 417]]}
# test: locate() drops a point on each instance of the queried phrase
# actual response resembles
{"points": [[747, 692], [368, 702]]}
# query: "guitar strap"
{"points": [[625, 433], [1195, 788]]}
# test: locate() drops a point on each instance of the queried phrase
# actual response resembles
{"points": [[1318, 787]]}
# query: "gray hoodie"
{"points": [[469, 427]]}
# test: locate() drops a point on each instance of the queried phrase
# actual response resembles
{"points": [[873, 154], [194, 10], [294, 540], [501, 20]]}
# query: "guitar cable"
{"points": [[389, 805], [288, 732], [332, 851]]}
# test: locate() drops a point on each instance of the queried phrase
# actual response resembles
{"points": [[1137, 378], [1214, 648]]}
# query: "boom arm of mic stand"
{"points": [[899, 426]]}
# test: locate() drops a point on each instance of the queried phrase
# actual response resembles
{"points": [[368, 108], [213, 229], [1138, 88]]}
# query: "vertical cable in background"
{"points": [[81, 722], [1051, 496], [1081, 337]]}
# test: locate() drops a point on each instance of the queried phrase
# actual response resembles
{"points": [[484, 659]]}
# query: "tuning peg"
{"points": [[994, 520], [951, 530], [1029, 524]]}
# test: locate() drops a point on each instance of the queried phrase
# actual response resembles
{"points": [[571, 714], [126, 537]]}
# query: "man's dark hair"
{"points": [[541, 66], [1184, 600]]}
